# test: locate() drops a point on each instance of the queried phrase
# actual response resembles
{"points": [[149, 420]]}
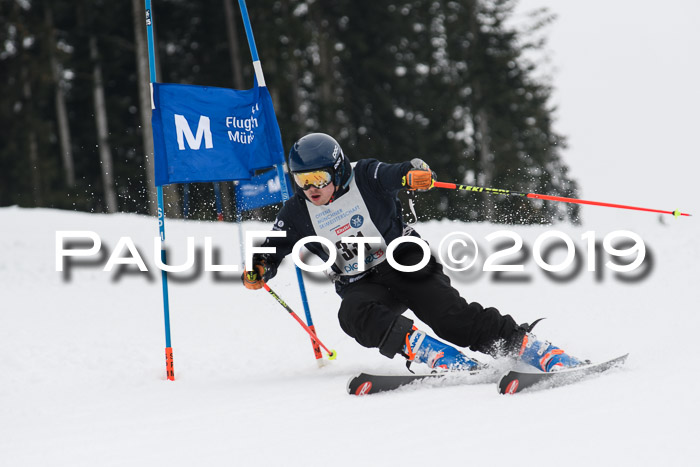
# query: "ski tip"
{"points": [[515, 381], [354, 382], [350, 381], [359, 385], [510, 388], [623, 358], [508, 384]]}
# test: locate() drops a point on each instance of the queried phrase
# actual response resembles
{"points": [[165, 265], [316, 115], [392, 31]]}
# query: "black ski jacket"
{"points": [[378, 183]]}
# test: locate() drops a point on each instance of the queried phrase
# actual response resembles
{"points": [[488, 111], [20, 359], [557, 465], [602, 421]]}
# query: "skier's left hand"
{"points": [[420, 177]]}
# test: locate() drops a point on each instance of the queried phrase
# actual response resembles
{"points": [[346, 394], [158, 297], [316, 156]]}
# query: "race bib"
{"points": [[348, 216]]}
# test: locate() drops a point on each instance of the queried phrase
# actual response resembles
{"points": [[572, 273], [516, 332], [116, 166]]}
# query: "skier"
{"points": [[335, 200]]}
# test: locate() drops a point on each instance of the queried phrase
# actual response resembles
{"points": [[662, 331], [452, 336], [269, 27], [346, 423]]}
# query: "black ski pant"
{"points": [[371, 309]]}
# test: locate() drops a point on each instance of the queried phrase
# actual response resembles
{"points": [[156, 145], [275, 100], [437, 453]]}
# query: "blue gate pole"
{"points": [[169, 366], [287, 190]]}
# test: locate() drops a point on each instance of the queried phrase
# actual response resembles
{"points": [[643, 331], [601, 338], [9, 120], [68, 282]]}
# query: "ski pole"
{"points": [[498, 191], [331, 353]]}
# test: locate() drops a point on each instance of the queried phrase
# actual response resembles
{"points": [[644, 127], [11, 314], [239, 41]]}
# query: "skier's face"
{"points": [[320, 196]]}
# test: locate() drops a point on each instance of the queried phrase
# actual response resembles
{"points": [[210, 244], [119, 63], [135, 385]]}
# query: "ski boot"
{"points": [[545, 356], [422, 348]]}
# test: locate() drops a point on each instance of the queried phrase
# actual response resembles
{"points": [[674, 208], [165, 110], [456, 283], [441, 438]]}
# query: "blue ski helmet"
{"points": [[320, 151]]}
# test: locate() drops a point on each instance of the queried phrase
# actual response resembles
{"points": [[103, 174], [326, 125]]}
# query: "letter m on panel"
{"points": [[185, 133]]}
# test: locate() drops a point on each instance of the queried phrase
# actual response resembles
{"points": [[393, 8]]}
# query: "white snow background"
{"points": [[82, 372]]}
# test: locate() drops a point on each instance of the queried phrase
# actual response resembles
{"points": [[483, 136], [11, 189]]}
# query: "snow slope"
{"points": [[82, 374]]}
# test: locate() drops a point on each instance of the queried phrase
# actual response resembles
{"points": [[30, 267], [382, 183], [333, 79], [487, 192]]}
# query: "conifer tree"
{"points": [[444, 80]]}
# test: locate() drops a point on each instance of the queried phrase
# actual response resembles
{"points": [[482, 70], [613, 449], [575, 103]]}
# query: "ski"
{"points": [[367, 383], [516, 381], [510, 383]]}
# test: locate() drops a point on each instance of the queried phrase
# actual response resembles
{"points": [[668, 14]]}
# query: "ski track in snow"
{"points": [[82, 373]]}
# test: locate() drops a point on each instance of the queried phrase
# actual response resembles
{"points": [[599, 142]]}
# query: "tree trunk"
{"points": [[32, 142], [238, 83], [36, 172], [143, 77], [110, 195], [486, 162], [60, 101], [233, 45], [325, 69]]}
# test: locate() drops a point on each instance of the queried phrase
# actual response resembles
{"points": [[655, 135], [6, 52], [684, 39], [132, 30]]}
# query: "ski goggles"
{"points": [[316, 178]]}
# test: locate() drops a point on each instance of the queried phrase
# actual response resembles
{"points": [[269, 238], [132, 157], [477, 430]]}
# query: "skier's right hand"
{"points": [[253, 280]]}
